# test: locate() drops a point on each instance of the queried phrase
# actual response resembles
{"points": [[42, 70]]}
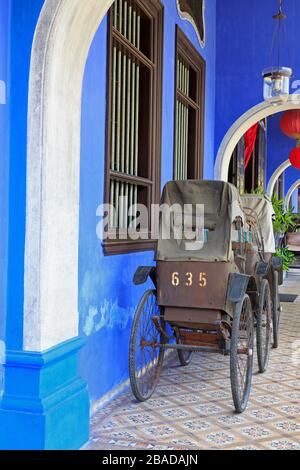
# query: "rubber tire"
{"points": [[134, 385], [184, 362], [263, 356], [240, 404], [276, 313]]}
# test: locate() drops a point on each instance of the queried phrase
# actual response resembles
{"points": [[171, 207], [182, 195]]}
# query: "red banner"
{"points": [[250, 138]]}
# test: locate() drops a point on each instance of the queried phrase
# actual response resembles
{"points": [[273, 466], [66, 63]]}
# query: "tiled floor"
{"points": [[192, 407]]}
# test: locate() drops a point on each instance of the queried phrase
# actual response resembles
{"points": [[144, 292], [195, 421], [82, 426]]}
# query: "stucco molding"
{"points": [[238, 129], [290, 192], [187, 17], [62, 40], [276, 175]]}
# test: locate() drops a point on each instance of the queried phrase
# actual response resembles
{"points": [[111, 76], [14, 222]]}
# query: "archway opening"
{"points": [[236, 132]]}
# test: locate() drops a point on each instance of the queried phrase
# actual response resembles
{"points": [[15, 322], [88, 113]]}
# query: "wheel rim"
{"points": [[245, 348], [266, 328], [185, 357], [146, 358], [242, 354], [276, 312]]}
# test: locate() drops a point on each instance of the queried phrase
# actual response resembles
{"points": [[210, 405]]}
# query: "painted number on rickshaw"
{"points": [[202, 280], [175, 279], [189, 280]]}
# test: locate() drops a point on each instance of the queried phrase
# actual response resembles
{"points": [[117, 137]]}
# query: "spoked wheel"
{"points": [[184, 357], [276, 312], [241, 354], [264, 326], [145, 357]]}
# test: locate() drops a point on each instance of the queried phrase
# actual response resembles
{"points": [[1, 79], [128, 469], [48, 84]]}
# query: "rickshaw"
{"points": [[259, 211], [210, 294]]}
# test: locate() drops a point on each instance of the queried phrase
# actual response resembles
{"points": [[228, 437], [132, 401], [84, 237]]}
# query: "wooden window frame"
{"points": [[154, 9], [195, 60]]}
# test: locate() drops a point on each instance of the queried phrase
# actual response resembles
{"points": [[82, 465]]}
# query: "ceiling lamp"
{"points": [[277, 78]]}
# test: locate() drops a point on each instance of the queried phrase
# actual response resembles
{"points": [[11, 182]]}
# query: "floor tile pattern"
{"points": [[192, 407]]}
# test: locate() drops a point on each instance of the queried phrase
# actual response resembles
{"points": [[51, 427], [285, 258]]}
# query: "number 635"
{"points": [[189, 279]]}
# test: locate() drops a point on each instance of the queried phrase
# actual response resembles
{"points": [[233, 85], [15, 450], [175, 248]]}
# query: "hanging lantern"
{"points": [[290, 126], [277, 83], [277, 78], [295, 157]]}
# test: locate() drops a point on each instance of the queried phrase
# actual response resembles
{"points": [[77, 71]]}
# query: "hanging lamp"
{"points": [[277, 78]]}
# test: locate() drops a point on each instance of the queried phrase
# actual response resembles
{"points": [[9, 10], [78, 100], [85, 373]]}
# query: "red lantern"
{"points": [[290, 126], [295, 158]]}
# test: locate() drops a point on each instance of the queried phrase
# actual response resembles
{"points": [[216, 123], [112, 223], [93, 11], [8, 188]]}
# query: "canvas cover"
{"points": [[264, 211], [222, 204]]}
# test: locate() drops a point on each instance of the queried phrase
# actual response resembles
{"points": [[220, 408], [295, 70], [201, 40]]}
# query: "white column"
{"points": [[61, 44], [293, 188], [277, 173]]}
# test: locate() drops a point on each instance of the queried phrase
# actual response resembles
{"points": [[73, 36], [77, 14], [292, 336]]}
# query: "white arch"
{"points": [[277, 173], [290, 192], [238, 129], [61, 44]]}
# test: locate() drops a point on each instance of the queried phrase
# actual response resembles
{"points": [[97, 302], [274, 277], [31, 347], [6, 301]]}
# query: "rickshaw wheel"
{"points": [[146, 359], [184, 357], [264, 326], [241, 354], [276, 312]]}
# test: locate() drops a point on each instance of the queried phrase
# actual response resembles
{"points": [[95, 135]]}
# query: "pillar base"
{"points": [[45, 405]]}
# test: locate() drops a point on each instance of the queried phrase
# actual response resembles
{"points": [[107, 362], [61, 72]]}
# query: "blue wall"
{"points": [[244, 36], [23, 19], [108, 299], [236, 52], [4, 106]]}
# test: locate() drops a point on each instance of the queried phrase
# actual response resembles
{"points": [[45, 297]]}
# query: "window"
{"points": [[250, 175], [133, 116], [189, 106]]}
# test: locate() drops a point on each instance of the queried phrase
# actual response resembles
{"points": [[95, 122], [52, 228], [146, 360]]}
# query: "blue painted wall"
{"points": [[244, 36], [236, 51], [4, 128], [108, 299], [23, 19]]}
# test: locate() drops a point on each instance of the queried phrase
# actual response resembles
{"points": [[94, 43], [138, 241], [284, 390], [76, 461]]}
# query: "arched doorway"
{"points": [[290, 192], [238, 129], [277, 173], [53, 169]]}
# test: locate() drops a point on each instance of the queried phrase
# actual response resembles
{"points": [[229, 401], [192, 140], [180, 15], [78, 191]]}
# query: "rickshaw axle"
{"points": [[183, 347], [186, 347]]}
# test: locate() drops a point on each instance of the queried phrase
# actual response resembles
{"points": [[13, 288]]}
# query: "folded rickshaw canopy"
{"points": [[263, 208], [222, 205]]}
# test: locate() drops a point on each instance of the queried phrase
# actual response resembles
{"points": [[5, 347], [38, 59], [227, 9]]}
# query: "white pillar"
{"points": [[61, 44], [290, 193], [277, 173]]}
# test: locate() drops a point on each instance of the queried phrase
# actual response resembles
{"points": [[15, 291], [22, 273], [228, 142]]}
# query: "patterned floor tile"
{"points": [[192, 406]]}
